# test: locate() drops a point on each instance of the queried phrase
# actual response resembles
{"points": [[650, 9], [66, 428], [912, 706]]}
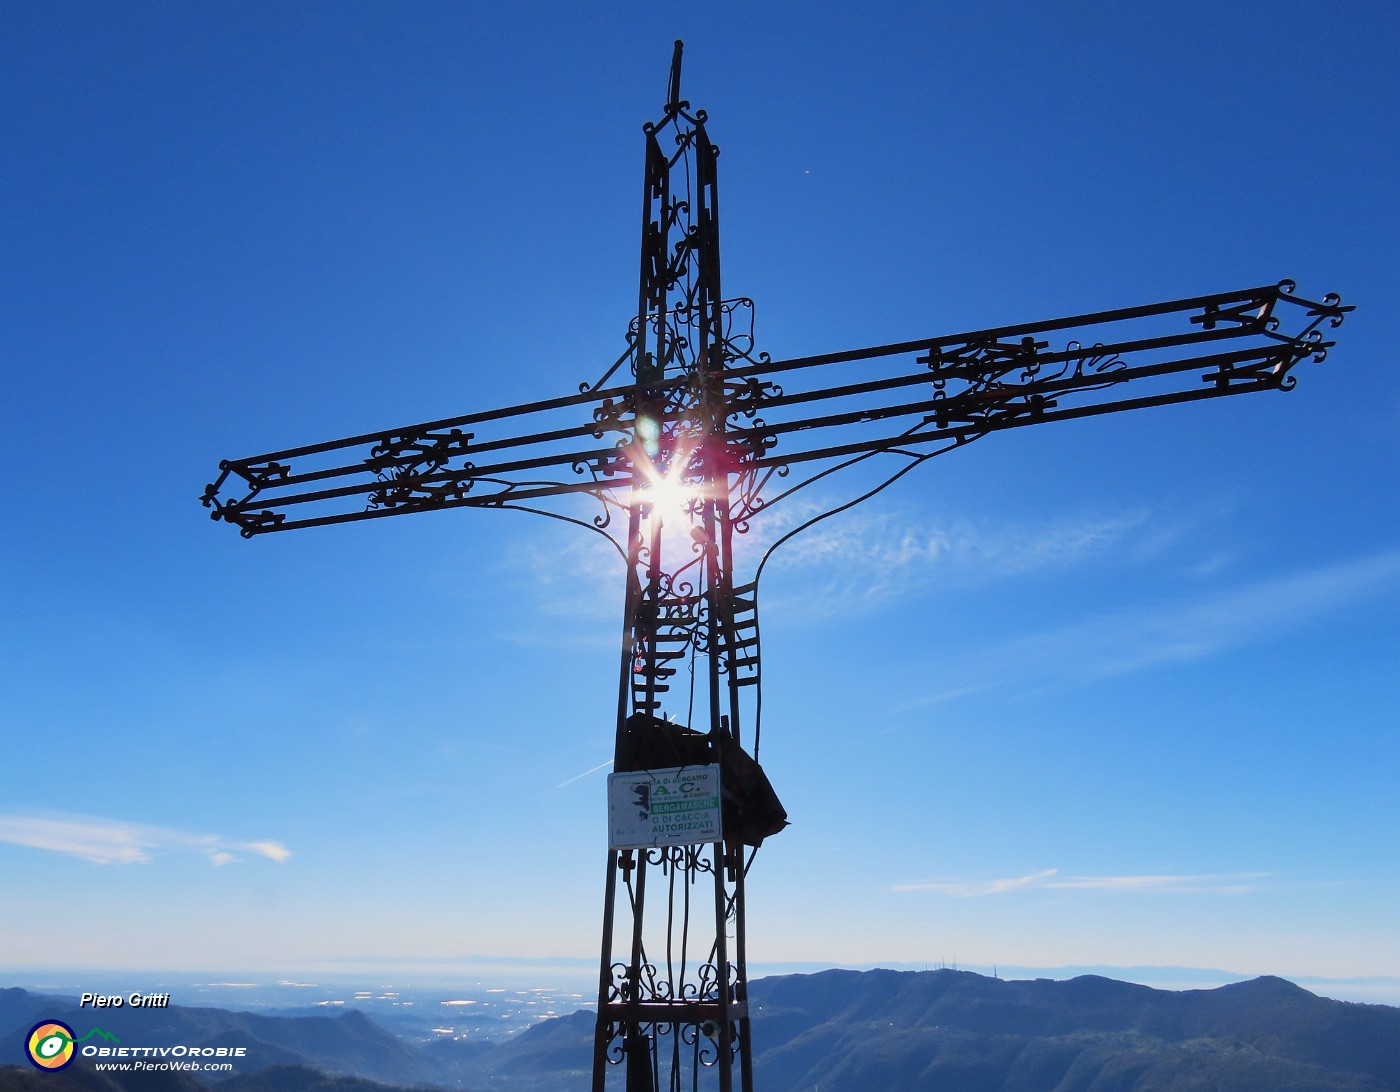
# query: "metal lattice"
{"points": [[679, 445]]}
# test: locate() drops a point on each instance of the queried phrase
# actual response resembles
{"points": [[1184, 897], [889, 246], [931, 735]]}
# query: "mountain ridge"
{"points": [[873, 1031], [954, 1029]]}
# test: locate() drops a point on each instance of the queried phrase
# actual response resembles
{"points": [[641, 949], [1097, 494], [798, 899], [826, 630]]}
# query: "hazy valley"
{"points": [[873, 1031]]}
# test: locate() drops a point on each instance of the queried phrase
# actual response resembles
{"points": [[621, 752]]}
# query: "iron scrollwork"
{"points": [[703, 410]]}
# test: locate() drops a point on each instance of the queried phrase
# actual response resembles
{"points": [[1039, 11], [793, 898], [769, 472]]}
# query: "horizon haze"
{"points": [[1114, 692]]}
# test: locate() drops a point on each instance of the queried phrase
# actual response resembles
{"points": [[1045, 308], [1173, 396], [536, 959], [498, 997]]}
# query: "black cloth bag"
{"points": [[749, 808]]}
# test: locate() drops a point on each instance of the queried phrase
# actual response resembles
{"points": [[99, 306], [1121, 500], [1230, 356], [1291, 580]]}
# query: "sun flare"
{"points": [[668, 497]]}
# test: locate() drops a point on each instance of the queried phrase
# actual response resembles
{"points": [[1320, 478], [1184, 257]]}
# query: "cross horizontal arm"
{"points": [[431, 465], [905, 396], [1215, 307], [911, 395]]}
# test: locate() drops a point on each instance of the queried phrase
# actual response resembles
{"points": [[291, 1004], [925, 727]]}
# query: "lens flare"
{"points": [[670, 499], [665, 494]]}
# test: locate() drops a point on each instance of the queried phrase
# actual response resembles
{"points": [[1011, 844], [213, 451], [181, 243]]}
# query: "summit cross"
{"points": [[681, 443]]}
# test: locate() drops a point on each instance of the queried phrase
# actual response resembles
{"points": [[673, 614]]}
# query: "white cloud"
{"points": [[273, 851], [114, 841], [93, 840], [851, 562], [1050, 880], [1230, 884], [1119, 642], [973, 888], [566, 574], [868, 558]]}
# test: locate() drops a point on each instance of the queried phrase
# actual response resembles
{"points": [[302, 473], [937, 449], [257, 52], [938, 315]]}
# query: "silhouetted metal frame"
{"points": [[744, 432], [976, 382]]}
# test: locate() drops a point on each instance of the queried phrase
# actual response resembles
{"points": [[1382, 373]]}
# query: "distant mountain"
{"points": [[952, 1031], [862, 1031], [298, 1078], [349, 1043], [82, 1078]]}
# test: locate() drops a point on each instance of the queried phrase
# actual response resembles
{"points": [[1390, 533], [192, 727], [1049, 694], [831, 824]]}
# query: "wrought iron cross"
{"points": [[683, 441]]}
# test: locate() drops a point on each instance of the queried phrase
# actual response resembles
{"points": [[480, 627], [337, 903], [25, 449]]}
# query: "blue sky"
{"points": [[1118, 691]]}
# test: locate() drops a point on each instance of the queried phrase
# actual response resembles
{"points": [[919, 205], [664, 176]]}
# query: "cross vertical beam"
{"points": [[672, 992]]}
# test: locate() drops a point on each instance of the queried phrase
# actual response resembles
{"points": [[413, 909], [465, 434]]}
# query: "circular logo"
{"points": [[50, 1044]]}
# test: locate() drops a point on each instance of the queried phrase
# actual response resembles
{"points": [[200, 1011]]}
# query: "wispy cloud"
{"points": [[852, 562], [273, 851], [973, 888], [569, 574], [115, 841], [1116, 643], [866, 559], [1050, 880]]}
